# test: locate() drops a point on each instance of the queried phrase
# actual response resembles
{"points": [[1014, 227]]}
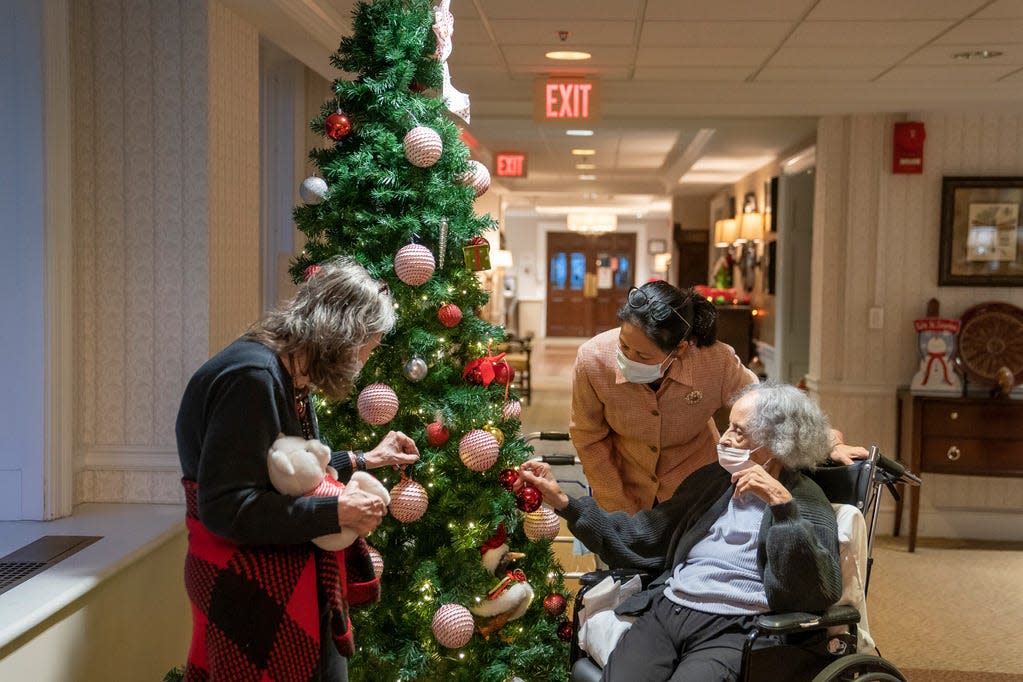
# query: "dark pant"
{"points": [[674, 643]]}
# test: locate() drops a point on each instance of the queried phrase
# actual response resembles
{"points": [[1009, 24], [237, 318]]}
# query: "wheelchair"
{"points": [[803, 647]]}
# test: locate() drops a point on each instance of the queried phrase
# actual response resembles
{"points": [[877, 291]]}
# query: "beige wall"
{"points": [[134, 626], [166, 225], [876, 245]]}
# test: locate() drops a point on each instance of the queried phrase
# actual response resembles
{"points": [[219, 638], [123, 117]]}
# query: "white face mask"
{"points": [[734, 460], [638, 373]]}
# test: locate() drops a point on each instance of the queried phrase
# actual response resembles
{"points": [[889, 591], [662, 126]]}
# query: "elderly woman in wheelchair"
{"points": [[748, 535]]}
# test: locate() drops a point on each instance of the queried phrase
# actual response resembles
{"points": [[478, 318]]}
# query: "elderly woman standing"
{"points": [[644, 397], [746, 535], [266, 602]]}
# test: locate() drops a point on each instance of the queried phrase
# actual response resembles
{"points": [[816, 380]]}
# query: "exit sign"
{"points": [[566, 100], [510, 164]]}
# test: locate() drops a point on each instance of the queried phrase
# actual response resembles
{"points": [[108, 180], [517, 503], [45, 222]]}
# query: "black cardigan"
{"points": [[232, 411], [797, 552]]}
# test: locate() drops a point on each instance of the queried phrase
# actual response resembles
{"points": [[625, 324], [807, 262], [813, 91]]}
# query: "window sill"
{"points": [[129, 531]]}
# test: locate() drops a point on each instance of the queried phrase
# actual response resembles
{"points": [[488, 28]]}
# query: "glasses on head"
{"points": [[638, 300]]}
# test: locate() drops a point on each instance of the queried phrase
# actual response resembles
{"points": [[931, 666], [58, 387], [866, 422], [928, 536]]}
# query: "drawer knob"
{"points": [[954, 416], [953, 453]]}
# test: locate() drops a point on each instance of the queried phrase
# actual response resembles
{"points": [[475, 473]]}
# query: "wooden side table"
{"points": [[957, 436]]}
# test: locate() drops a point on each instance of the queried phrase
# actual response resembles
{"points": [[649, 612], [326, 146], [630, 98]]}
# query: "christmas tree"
{"points": [[395, 190]]}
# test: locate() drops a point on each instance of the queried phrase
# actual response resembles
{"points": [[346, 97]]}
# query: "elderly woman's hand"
{"points": [[538, 475], [395, 449], [360, 511], [756, 480]]}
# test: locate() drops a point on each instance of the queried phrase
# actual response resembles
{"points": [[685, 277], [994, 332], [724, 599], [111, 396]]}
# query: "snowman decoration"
{"points": [[937, 345]]}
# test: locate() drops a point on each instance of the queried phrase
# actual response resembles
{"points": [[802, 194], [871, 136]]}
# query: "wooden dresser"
{"points": [[958, 436]]}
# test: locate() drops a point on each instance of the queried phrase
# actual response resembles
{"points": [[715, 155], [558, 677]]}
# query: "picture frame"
{"points": [[981, 236], [655, 246]]}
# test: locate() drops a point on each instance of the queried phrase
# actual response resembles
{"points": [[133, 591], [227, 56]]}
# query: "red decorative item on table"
{"points": [[337, 126]]}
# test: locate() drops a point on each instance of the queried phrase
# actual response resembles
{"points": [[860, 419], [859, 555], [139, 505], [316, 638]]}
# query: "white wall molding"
{"points": [[59, 389], [131, 458]]}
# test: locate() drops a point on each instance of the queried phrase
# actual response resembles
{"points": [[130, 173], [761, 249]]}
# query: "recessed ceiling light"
{"points": [[579, 133], [584, 152], [585, 166], [977, 54], [567, 55], [587, 177]]}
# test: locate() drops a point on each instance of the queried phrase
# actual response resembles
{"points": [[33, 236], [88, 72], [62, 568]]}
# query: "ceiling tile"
{"points": [[1002, 9], [941, 55], [980, 31], [823, 75], [815, 57], [714, 33], [727, 10], [471, 32], [886, 10], [476, 56], [1013, 77], [865, 33], [677, 73], [583, 34], [966, 73], [545, 10], [698, 56]]}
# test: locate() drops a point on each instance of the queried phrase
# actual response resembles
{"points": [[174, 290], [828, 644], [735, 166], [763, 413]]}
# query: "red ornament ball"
{"points": [[449, 315], [414, 264], [408, 501], [337, 126], [507, 478], [528, 499], [565, 632], [554, 604], [377, 404], [503, 373], [437, 434]]}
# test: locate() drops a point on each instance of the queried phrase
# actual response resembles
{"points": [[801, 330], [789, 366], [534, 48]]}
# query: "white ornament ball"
{"points": [[313, 190], [477, 177], [478, 450], [414, 264], [378, 561], [543, 524], [423, 146], [452, 626], [378, 403], [408, 501], [512, 410]]}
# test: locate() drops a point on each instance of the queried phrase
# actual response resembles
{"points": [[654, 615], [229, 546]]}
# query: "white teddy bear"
{"points": [[299, 467]]}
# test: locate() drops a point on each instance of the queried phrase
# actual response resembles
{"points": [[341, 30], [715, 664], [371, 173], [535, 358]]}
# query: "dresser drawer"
{"points": [[971, 456], [1001, 419]]}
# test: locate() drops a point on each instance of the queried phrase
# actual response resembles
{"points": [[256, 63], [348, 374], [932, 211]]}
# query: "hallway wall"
{"points": [[875, 244]]}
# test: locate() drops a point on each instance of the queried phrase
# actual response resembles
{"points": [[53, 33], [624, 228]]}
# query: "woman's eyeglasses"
{"points": [[638, 300]]}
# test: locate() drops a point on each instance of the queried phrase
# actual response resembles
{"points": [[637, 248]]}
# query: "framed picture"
{"points": [[981, 237], [656, 246]]}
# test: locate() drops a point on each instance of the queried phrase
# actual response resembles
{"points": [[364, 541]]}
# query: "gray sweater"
{"points": [[797, 553]]}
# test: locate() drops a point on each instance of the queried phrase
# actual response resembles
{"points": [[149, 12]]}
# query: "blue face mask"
{"points": [[638, 373]]}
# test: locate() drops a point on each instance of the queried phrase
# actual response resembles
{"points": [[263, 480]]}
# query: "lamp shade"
{"points": [[725, 232], [752, 227]]}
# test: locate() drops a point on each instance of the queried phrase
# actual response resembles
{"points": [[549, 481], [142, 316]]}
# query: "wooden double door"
{"points": [[588, 277]]}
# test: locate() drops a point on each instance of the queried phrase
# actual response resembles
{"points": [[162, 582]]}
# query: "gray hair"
{"points": [[333, 314], [789, 423]]}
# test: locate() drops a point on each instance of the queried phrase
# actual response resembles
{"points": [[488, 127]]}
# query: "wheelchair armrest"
{"points": [[788, 623], [593, 577]]}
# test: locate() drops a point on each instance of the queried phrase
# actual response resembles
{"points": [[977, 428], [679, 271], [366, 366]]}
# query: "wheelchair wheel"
{"points": [[861, 668]]}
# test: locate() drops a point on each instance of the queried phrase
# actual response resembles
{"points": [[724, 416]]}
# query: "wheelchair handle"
{"points": [[560, 460], [545, 435], [897, 470]]}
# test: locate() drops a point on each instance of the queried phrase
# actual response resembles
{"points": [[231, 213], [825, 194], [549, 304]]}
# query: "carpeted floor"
{"points": [[957, 676]]}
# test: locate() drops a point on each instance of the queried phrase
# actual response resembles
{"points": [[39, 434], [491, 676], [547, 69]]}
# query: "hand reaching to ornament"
{"points": [[360, 511], [395, 449], [538, 474]]}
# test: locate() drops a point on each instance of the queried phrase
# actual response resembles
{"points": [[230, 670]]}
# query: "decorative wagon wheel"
{"points": [[991, 337]]}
